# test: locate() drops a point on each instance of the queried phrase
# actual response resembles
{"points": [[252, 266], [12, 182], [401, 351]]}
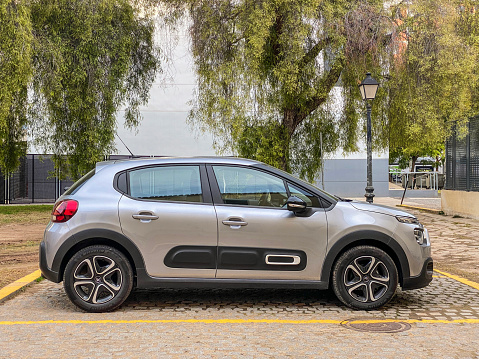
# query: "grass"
{"points": [[33, 214], [29, 208]]}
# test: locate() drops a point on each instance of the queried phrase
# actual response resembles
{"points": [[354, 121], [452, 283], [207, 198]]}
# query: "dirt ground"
{"points": [[455, 243], [20, 235]]}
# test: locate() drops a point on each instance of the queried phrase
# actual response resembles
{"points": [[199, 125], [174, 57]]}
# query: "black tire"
{"points": [[98, 278], [365, 277]]}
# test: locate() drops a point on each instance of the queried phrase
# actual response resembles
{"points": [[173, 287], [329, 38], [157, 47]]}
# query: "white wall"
{"points": [[164, 130]]}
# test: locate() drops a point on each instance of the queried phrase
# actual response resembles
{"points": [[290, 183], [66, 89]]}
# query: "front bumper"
{"points": [[423, 279], [47, 272]]}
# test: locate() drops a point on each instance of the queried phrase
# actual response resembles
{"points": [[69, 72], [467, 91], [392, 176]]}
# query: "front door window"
{"points": [[248, 187]]}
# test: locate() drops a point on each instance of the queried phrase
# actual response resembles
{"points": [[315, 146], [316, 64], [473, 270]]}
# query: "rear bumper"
{"points": [[423, 279], [47, 272]]}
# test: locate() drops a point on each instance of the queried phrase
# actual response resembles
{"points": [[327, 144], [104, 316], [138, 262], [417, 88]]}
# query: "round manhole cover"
{"points": [[376, 325]]}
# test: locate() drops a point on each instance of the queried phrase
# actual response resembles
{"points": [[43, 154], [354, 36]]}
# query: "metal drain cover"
{"points": [[376, 325]]}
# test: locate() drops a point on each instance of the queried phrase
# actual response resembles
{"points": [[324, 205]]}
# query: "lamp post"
{"points": [[368, 89]]}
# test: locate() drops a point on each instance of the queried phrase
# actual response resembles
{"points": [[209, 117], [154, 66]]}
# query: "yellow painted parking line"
{"points": [[242, 321], [18, 284], [468, 282]]}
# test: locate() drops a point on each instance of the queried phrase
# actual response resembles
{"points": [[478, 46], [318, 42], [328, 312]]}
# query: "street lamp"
{"points": [[368, 89]]}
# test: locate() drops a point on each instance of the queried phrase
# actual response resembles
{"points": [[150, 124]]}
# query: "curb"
{"points": [[11, 289], [430, 210]]}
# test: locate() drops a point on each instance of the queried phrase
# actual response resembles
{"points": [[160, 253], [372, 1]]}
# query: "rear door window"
{"points": [[166, 183]]}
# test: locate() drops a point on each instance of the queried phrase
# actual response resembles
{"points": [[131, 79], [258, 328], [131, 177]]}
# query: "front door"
{"points": [[167, 215], [258, 238]]}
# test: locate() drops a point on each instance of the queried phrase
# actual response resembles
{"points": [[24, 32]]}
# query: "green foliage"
{"points": [[263, 142], [267, 69], [432, 79], [15, 74], [91, 58]]}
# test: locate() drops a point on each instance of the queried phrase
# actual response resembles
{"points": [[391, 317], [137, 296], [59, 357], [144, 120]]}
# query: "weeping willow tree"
{"points": [[90, 59], [268, 70], [433, 75], [15, 74]]}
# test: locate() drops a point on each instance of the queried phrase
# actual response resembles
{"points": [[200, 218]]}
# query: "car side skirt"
{"points": [[145, 281]]}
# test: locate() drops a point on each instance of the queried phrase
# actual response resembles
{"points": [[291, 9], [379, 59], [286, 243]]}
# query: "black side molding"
{"points": [[245, 258], [200, 257], [236, 258]]}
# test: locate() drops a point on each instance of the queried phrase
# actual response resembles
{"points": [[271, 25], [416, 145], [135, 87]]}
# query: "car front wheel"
{"points": [[98, 278], [365, 277]]}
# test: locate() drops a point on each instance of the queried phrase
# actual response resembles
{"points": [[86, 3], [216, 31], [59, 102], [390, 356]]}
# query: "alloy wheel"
{"points": [[97, 279], [366, 279]]}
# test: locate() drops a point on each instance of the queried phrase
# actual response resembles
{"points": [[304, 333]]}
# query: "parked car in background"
{"points": [[224, 222]]}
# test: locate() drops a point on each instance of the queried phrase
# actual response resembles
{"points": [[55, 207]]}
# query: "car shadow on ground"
{"points": [[256, 300]]}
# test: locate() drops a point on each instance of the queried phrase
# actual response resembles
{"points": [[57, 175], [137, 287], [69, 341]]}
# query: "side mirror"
{"points": [[295, 204]]}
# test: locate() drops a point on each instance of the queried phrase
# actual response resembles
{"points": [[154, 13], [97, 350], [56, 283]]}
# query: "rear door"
{"points": [[258, 238], [169, 215]]}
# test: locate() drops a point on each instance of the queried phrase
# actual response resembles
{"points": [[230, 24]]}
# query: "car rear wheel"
{"points": [[98, 278], [365, 277]]}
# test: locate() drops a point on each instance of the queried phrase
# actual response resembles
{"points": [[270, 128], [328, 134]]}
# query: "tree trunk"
{"points": [[413, 163], [289, 126]]}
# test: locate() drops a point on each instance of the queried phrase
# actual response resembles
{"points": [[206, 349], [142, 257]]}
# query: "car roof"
{"points": [[148, 161]]}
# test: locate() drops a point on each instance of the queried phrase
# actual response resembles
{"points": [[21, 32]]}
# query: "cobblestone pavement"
{"points": [[444, 300], [302, 323]]}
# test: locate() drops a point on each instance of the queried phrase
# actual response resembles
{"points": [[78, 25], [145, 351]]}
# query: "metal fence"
{"points": [[462, 159], [35, 181]]}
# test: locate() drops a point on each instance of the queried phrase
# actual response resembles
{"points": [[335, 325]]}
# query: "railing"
{"points": [[418, 180]]}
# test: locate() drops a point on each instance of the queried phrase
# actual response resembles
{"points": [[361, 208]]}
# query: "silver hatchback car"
{"points": [[224, 222]]}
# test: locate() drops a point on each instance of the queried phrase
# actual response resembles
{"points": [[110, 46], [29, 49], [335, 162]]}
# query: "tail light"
{"points": [[64, 210]]}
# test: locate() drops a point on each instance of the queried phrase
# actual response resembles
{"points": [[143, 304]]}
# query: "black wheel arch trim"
{"points": [[96, 236], [381, 240]]}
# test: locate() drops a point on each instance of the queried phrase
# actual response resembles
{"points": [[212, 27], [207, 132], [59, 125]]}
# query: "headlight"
{"points": [[407, 219], [420, 237]]}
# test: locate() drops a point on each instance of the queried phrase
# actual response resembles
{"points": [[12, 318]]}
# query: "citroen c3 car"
{"points": [[224, 222]]}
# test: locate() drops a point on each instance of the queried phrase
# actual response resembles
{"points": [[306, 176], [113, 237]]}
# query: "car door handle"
{"points": [[235, 222], [145, 216]]}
